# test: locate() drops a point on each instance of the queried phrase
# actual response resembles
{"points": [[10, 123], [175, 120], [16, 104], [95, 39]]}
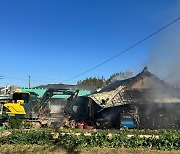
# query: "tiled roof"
{"points": [[120, 92]]}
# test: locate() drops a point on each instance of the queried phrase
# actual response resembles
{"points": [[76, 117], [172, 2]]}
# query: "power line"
{"points": [[169, 76], [15, 78], [45, 78], [33, 82], [23, 79], [144, 39]]}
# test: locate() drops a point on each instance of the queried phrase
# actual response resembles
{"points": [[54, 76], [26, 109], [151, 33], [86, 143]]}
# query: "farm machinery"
{"points": [[27, 106]]}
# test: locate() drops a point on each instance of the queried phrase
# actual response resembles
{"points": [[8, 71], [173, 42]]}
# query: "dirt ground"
{"points": [[36, 149]]}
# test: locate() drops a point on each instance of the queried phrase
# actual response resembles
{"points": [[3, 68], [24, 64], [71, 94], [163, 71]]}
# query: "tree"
{"points": [[92, 82], [100, 82]]}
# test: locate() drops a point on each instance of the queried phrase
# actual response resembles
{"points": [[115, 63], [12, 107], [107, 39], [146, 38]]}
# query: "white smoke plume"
{"points": [[164, 59]]}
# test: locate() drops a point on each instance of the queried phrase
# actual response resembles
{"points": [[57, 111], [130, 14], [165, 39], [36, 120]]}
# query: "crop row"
{"points": [[165, 141]]}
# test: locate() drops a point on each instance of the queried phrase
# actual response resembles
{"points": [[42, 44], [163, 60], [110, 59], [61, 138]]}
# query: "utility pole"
{"points": [[1, 77], [29, 81]]}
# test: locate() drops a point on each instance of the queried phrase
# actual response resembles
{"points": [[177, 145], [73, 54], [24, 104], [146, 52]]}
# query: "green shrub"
{"points": [[28, 137], [14, 123]]}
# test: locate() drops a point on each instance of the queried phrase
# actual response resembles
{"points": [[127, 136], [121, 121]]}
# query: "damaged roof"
{"points": [[142, 88], [109, 98], [139, 77]]}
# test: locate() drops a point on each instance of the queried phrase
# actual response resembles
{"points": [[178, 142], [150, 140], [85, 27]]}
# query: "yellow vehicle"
{"points": [[27, 105], [16, 106]]}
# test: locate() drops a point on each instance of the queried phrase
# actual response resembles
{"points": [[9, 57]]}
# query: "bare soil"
{"points": [[37, 149]]}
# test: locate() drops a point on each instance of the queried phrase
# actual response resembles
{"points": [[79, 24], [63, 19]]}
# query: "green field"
{"points": [[95, 141]]}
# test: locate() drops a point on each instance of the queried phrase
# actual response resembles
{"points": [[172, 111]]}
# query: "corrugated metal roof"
{"points": [[40, 92], [110, 98]]}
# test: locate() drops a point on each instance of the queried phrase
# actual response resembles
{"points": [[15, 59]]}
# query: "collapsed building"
{"points": [[151, 102], [144, 99]]}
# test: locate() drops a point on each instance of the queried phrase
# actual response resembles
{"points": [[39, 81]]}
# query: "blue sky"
{"points": [[55, 40]]}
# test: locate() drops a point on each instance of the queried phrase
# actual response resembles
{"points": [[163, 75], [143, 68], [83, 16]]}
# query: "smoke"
{"points": [[164, 107], [164, 60], [164, 57]]}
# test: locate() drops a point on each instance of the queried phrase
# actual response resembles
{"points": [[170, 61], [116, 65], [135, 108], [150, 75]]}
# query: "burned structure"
{"points": [[151, 102]]}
